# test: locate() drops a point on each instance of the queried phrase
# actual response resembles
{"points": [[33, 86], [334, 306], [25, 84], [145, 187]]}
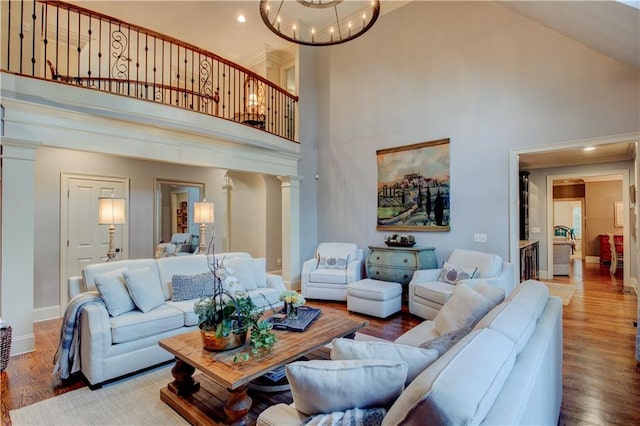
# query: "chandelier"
{"points": [[319, 22]]}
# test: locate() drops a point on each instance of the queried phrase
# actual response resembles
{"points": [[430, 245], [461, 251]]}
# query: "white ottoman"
{"points": [[374, 297]]}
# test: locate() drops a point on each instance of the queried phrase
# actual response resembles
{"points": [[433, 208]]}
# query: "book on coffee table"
{"points": [[306, 315]]}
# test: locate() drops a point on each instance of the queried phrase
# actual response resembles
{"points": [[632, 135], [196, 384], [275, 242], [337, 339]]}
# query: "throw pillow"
{"points": [[452, 274], [494, 294], [242, 269], [332, 262], [186, 287], [417, 359], [113, 290], [260, 271], [443, 343], [354, 416], [144, 288], [463, 309], [321, 386]]}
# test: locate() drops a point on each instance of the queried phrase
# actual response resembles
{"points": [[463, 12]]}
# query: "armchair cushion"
{"points": [[331, 262], [436, 290], [452, 274], [487, 264], [321, 386], [329, 276], [344, 250]]}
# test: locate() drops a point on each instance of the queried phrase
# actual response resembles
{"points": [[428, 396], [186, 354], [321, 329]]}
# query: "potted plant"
{"points": [[224, 319], [262, 337]]}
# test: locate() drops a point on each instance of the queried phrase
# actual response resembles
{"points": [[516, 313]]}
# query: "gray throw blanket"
{"points": [[67, 357], [351, 417]]}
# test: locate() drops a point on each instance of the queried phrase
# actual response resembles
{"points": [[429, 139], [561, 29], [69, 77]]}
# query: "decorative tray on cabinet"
{"points": [[390, 244]]}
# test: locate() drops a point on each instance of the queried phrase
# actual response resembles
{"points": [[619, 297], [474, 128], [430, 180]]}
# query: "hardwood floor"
{"points": [[601, 380]]}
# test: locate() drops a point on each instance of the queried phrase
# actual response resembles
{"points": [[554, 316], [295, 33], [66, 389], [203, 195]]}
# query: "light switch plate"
{"points": [[480, 238], [535, 230]]}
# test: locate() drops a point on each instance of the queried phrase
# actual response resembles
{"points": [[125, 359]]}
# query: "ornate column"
{"points": [[291, 230], [18, 232]]}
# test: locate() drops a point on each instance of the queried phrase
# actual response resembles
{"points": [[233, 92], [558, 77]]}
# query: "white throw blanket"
{"points": [[67, 357]]}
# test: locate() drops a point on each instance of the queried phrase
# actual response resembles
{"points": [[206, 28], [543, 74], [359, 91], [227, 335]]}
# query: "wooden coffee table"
{"points": [[218, 396]]}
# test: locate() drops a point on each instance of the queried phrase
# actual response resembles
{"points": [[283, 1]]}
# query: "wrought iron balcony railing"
{"points": [[71, 45]]}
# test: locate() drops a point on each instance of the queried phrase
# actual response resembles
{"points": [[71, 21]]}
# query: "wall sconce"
{"points": [[203, 214], [111, 211]]}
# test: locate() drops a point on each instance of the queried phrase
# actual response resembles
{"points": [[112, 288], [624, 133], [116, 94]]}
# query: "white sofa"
{"points": [[427, 292], [327, 274], [506, 371], [112, 346]]}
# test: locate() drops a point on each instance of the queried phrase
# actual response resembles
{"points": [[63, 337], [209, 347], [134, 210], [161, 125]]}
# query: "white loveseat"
{"points": [[428, 291], [506, 371], [112, 346]]}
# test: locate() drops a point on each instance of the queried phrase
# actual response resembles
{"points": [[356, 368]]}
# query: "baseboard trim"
{"points": [[592, 259], [46, 313], [23, 344]]}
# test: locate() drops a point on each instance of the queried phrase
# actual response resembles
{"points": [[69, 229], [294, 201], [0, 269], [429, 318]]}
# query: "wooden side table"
{"points": [[397, 264]]}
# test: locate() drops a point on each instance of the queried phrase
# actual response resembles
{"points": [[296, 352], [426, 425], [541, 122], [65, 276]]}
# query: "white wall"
{"points": [[50, 162], [475, 72]]}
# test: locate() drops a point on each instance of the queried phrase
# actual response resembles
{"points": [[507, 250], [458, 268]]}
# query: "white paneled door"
{"points": [[84, 241]]}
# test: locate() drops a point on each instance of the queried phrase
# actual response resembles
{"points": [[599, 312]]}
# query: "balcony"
{"points": [[66, 44]]}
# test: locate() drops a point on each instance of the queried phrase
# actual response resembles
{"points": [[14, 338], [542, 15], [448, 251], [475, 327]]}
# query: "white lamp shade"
{"points": [[203, 212], [111, 211]]}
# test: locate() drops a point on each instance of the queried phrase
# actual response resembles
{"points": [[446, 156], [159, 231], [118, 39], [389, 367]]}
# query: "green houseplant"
{"points": [[225, 319]]}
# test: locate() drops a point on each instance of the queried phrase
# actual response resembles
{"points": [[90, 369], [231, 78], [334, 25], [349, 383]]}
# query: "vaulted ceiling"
{"points": [[609, 27]]}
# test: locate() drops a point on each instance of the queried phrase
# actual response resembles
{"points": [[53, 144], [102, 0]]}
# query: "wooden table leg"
{"points": [[184, 383], [238, 405]]}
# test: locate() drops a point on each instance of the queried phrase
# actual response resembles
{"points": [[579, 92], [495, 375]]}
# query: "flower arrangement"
{"points": [[292, 301], [292, 297]]}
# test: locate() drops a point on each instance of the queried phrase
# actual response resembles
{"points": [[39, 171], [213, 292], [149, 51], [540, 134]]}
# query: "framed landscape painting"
{"points": [[413, 187]]}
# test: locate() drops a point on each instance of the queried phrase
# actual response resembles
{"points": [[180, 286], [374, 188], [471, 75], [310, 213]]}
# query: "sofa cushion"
{"points": [[517, 317], [436, 291], [426, 330], [144, 288], [113, 290], [417, 359], [533, 295], [265, 298], [489, 265], [333, 276], [186, 287], [260, 271], [186, 307], [452, 274], [136, 325], [179, 265], [243, 269], [321, 386], [465, 307], [443, 343], [461, 386], [89, 271]]}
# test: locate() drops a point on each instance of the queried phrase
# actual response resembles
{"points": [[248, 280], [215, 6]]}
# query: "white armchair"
{"points": [[333, 267], [427, 293]]}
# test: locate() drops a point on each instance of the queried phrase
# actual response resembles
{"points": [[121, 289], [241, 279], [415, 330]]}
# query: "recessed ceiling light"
{"points": [[241, 18], [589, 148]]}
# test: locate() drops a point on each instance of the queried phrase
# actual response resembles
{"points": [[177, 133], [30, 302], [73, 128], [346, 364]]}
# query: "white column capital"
{"points": [[290, 180]]}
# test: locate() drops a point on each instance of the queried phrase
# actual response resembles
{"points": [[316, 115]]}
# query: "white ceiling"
{"points": [[609, 27]]}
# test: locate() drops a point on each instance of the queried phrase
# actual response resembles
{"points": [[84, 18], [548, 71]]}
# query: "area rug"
{"points": [[563, 291], [132, 401]]}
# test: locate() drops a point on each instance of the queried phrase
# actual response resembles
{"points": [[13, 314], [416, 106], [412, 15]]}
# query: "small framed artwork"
{"points": [[618, 214], [413, 187]]}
